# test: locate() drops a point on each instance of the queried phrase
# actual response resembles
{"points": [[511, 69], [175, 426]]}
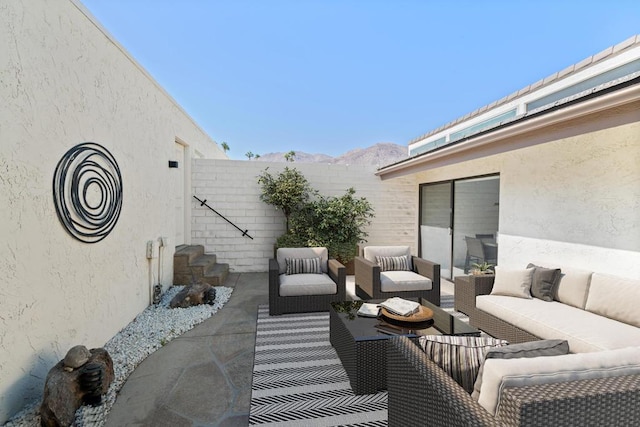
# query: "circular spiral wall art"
{"points": [[87, 192]]}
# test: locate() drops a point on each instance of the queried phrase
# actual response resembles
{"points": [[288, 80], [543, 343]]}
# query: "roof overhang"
{"points": [[501, 139]]}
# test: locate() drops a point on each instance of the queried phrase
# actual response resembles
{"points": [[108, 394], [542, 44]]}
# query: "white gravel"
{"points": [[150, 330]]}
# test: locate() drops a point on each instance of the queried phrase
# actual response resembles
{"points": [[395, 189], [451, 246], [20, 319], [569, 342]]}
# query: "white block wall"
{"points": [[231, 187], [63, 81]]}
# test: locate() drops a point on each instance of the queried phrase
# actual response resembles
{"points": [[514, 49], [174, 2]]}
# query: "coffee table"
{"points": [[361, 341]]}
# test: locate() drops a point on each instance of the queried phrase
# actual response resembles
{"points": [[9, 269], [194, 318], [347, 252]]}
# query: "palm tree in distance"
{"points": [[290, 156], [225, 146], [249, 155]]}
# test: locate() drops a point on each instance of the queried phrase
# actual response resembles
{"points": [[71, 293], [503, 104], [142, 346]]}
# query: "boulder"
{"points": [[195, 294], [74, 381]]}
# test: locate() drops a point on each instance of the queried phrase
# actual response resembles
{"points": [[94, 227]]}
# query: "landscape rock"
{"points": [[67, 388], [195, 294]]}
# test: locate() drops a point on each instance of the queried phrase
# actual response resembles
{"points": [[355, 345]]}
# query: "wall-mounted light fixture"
{"points": [[173, 164]]}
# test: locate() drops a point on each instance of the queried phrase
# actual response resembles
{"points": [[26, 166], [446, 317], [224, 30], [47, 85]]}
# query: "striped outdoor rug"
{"points": [[298, 378]]}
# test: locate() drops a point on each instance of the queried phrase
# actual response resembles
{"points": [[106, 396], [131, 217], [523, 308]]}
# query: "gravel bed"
{"points": [[150, 330]]}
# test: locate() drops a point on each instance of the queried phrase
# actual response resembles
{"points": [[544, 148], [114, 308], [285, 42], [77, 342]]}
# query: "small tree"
{"points": [[249, 155], [288, 190], [290, 156], [225, 146]]}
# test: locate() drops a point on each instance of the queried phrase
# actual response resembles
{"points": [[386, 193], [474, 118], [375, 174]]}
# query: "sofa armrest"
{"points": [[338, 274], [367, 276], [420, 393], [274, 278], [426, 268], [602, 401]]}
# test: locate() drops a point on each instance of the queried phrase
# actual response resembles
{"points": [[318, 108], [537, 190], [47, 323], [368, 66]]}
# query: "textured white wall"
{"points": [[64, 82], [231, 188], [573, 200]]}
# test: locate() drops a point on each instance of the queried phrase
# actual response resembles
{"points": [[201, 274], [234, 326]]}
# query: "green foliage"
{"points": [[289, 190], [224, 146], [484, 267], [338, 223], [290, 156]]}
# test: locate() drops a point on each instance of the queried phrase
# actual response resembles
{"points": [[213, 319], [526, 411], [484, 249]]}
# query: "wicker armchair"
{"points": [[368, 279], [420, 393], [304, 298]]}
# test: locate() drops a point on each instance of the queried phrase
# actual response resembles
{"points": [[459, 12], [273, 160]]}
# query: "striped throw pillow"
{"points": [[459, 356], [393, 263], [303, 265]]}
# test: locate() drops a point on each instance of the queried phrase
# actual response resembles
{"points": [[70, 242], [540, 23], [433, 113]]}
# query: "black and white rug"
{"points": [[298, 378]]}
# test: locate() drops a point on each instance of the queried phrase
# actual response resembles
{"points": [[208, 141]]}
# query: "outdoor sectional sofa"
{"points": [[597, 383], [592, 311]]}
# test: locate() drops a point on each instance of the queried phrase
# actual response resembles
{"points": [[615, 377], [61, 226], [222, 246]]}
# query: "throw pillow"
{"points": [[393, 263], [303, 266], [526, 349], [544, 282], [459, 356], [513, 283]]}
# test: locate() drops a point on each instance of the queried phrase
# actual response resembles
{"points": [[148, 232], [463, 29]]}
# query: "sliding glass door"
{"points": [[459, 223], [435, 224]]}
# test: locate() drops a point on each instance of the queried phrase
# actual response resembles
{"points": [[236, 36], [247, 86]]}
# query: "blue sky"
{"points": [[334, 75]]}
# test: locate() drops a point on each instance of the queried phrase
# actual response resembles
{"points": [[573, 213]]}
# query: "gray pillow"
{"points": [[544, 282], [525, 349]]}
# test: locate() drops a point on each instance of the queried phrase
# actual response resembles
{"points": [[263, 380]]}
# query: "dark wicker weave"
{"points": [[466, 288], [305, 303], [420, 393], [367, 278], [365, 361]]}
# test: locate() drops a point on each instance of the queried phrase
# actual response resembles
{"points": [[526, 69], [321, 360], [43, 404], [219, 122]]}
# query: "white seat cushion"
{"points": [[394, 281], [306, 284], [585, 331], [501, 373]]}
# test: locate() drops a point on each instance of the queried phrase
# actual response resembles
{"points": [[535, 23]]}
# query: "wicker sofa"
{"points": [[421, 393], [592, 311]]}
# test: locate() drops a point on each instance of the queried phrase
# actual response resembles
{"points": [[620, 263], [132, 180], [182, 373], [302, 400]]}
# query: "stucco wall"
{"points": [[64, 82], [572, 199], [231, 188]]}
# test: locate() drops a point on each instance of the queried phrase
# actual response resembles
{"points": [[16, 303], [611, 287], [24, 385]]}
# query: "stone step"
{"points": [[216, 274], [197, 266], [192, 265], [186, 254]]}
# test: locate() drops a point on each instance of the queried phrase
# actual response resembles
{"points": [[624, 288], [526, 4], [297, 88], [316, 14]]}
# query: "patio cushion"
{"points": [[393, 281], [526, 349], [501, 373], [370, 252], [544, 282], [458, 356], [306, 284], [573, 287], [515, 283], [303, 265], [614, 297], [585, 331], [393, 263], [283, 253]]}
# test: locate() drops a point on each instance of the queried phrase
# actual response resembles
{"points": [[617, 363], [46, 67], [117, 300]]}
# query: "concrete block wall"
{"points": [[231, 188]]}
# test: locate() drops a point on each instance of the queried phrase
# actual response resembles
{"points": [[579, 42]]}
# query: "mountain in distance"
{"points": [[381, 154]]}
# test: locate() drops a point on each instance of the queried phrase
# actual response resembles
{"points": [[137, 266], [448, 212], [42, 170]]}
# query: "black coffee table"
{"points": [[361, 341]]}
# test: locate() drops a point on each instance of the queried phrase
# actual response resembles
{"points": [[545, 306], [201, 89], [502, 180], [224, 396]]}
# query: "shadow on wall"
{"points": [[29, 387]]}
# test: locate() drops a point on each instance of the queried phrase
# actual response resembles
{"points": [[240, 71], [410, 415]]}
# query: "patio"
{"points": [[204, 376]]}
